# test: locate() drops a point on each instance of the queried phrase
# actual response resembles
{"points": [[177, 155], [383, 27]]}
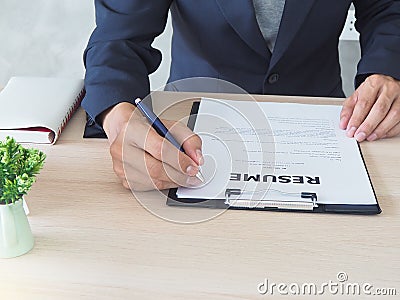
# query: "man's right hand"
{"points": [[142, 159]]}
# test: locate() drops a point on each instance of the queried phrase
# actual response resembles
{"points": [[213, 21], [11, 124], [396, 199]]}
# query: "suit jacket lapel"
{"points": [[240, 15], [294, 14]]}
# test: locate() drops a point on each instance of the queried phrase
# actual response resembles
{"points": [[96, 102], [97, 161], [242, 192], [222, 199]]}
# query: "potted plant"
{"points": [[18, 169]]}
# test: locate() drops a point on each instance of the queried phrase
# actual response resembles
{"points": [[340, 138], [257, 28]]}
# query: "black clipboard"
{"points": [[313, 205]]}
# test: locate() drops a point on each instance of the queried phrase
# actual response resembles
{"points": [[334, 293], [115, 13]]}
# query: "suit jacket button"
{"points": [[273, 78]]}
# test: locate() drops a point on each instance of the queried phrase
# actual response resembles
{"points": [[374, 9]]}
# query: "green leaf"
{"points": [[18, 169]]}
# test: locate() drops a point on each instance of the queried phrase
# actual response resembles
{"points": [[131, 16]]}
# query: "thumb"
{"points": [[190, 141]]}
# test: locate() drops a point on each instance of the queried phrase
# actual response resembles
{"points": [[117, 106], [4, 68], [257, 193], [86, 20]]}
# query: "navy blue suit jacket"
{"points": [[221, 39]]}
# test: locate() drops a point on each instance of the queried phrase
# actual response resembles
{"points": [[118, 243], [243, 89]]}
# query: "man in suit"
{"points": [[265, 47]]}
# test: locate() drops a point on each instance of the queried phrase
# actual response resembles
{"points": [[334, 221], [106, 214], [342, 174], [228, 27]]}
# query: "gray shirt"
{"points": [[269, 14]]}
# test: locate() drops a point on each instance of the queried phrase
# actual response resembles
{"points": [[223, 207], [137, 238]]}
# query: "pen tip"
{"points": [[137, 101], [200, 176]]}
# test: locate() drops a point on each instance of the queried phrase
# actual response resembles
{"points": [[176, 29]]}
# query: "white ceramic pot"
{"points": [[15, 233]]}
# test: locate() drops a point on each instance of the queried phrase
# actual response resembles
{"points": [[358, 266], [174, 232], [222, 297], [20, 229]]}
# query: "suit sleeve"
{"points": [[378, 22], [119, 56]]}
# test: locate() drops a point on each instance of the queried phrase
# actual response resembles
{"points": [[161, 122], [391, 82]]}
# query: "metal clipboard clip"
{"points": [[296, 201]]}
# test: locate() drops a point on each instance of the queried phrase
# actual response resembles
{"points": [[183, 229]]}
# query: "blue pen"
{"points": [[160, 128]]}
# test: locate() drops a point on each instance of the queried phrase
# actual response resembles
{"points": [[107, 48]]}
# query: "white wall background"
{"points": [[47, 38], [43, 37]]}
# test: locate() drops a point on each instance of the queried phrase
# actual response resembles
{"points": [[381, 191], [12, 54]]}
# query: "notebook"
{"points": [[277, 156], [36, 109]]}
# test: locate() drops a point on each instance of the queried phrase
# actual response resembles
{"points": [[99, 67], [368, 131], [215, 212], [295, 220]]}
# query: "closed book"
{"points": [[36, 109]]}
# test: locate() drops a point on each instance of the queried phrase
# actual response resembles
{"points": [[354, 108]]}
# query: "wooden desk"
{"points": [[95, 241]]}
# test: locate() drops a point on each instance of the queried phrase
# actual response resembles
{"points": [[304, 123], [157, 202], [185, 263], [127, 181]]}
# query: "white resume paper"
{"points": [[275, 151]]}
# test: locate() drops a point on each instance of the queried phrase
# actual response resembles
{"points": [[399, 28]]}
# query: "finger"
{"points": [[131, 165], [388, 124], [164, 172], [367, 95], [143, 182], [146, 138], [131, 162], [190, 141], [140, 180], [378, 113], [139, 187], [347, 110], [125, 184], [158, 185], [395, 131], [142, 168]]}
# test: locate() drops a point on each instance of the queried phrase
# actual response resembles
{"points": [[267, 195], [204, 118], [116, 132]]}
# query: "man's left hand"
{"points": [[373, 111]]}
